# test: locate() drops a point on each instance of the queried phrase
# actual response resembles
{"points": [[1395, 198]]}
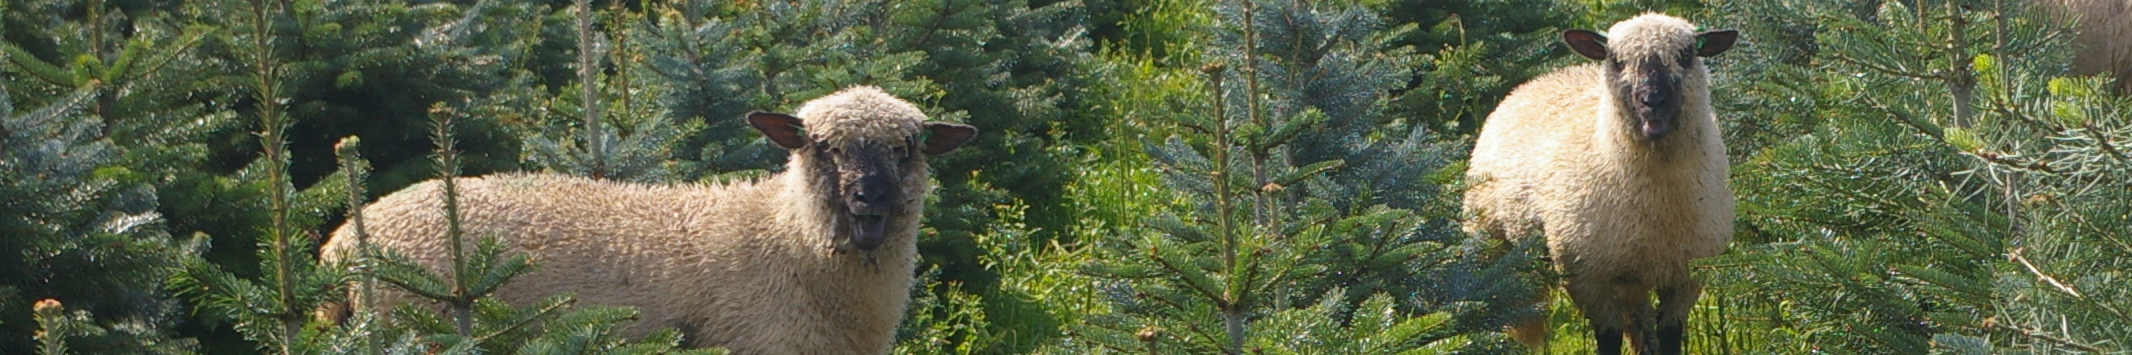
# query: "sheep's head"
{"points": [[867, 149], [1651, 61]]}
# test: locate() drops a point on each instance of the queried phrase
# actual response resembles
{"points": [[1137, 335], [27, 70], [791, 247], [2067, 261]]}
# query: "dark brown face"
{"points": [[869, 185], [1650, 85], [867, 180], [1650, 88]]}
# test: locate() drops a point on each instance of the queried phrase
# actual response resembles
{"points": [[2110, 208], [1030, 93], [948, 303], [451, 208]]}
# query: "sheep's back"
{"points": [[1518, 144], [605, 243]]}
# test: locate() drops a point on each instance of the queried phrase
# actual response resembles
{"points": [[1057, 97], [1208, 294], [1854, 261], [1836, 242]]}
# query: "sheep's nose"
{"points": [[874, 190], [1650, 94]]}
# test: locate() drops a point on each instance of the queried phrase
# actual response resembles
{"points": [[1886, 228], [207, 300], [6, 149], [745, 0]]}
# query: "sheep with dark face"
{"points": [[817, 259], [1621, 166]]}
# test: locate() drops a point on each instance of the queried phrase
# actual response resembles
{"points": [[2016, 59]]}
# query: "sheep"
{"points": [[817, 259], [2105, 27], [1621, 166]]}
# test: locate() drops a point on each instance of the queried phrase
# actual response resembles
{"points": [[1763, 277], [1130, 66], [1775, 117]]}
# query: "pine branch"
{"points": [[525, 322], [2002, 160], [1876, 67], [348, 151], [2015, 256], [447, 156], [53, 327], [282, 245], [29, 63], [2104, 142], [2038, 334]]}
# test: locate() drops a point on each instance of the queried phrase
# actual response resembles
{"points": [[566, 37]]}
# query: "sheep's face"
{"points": [[867, 175], [1650, 66]]}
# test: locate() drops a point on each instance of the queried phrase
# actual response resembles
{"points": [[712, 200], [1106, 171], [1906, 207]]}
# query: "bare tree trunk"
{"points": [[587, 71]]}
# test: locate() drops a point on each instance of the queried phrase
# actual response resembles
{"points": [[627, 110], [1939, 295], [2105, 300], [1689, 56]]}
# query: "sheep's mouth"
{"points": [[1656, 110], [1654, 125], [868, 232]]}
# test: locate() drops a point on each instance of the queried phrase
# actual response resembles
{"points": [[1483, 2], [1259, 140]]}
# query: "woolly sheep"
{"points": [[2105, 38], [817, 259], [1621, 165]]}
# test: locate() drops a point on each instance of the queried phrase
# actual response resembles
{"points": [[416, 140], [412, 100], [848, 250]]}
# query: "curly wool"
{"points": [[751, 266], [867, 111]]}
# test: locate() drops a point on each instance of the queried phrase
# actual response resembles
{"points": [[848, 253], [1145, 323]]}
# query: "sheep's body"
{"points": [[2105, 38], [1622, 214], [757, 267], [1628, 208], [670, 251]]}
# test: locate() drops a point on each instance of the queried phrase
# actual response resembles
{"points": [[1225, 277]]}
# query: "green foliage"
{"points": [[1915, 177], [273, 308], [1283, 228], [704, 76], [586, 146], [1377, 327], [1469, 54], [947, 320], [1912, 191], [78, 230]]}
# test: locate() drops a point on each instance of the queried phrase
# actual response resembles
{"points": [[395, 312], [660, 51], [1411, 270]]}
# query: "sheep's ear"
{"points": [[780, 128], [1586, 43], [1711, 43], [942, 137]]}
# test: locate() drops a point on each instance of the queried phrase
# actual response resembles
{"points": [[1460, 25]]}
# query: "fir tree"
{"points": [[1927, 183], [78, 235], [645, 149], [1278, 239], [273, 308], [1470, 54], [704, 70]]}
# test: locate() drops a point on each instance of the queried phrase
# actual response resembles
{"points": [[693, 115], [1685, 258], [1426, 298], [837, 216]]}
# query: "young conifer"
{"points": [[1283, 236], [273, 309], [1926, 180]]}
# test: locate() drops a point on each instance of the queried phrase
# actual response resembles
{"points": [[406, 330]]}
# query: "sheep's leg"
{"points": [[1596, 298], [1609, 338], [1639, 320], [1674, 303]]}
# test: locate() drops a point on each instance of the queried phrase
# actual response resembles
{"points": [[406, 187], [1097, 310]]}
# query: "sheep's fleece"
{"points": [[759, 267]]}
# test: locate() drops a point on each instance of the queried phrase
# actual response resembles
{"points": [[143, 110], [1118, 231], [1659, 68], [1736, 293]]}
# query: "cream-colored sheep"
{"points": [[2105, 39], [1621, 166], [817, 259]]}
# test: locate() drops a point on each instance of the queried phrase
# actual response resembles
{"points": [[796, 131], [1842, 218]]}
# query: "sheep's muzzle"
{"points": [[868, 232], [1656, 110], [869, 201], [1652, 94]]}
